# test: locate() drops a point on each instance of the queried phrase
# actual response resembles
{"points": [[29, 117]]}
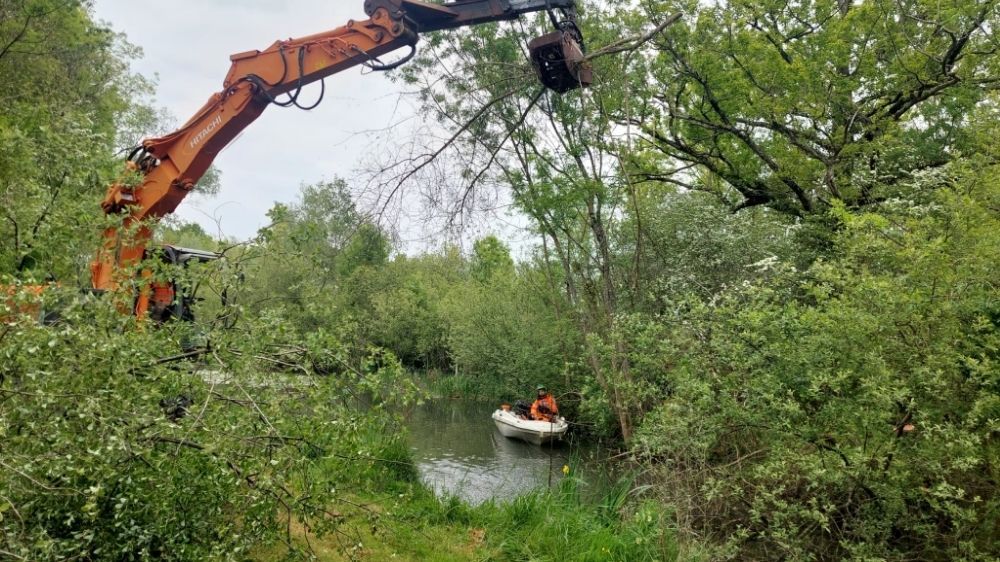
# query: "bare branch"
{"points": [[428, 159], [633, 43]]}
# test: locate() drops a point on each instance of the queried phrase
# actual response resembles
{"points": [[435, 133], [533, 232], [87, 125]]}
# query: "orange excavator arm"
{"points": [[170, 166]]}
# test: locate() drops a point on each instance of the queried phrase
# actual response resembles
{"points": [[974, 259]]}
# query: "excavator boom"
{"points": [[170, 166], [425, 17]]}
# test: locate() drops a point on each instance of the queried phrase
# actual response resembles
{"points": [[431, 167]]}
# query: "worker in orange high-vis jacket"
{"points": [[544, 408]]}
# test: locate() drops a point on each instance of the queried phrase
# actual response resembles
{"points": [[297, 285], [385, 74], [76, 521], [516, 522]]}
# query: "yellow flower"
{"points": [[566, 469]]}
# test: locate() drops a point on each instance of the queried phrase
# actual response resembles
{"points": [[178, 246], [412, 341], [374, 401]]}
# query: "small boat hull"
{"points": [[536, 432]]}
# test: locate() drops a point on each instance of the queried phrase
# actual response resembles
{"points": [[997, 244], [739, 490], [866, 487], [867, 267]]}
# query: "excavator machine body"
{"points": [[166, 300]]}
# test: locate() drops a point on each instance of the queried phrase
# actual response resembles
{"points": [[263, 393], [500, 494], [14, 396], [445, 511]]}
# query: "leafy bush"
{"points": [[112, 450], [848, 411]]}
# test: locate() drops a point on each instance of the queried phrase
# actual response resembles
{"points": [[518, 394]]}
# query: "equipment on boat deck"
{"points": [[522, 409]]}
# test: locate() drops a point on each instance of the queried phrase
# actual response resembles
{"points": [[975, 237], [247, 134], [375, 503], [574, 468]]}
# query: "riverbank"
{"points": [[447, 386], [431, 492], [411, 523]]}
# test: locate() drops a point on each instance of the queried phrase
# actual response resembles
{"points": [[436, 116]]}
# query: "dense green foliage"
{"points": [[66, 98], [854, 403], [112, 451], [324, 266], [798, 104], [764, 262], [112, 447]]}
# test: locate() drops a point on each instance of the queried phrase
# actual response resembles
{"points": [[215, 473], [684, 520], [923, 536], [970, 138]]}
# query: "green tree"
{"points": [[491, 259], [399, 306], [506, 336], [672, 245], [368, 247], [799, 105], [65, 88], [309, 250]]}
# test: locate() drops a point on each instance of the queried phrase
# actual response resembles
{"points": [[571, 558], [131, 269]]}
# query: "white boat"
{"points": [[537, 432]]}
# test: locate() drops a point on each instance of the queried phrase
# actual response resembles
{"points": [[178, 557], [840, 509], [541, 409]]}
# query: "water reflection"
{"points": [[460, 452]]}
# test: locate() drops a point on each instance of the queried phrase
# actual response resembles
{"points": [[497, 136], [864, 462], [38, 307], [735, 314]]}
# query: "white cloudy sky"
{"points": [[187, 47]]}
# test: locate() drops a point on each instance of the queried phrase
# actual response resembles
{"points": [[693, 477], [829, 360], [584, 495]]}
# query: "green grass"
{"points": [[559, 525], [468, 387], [409, 523]]}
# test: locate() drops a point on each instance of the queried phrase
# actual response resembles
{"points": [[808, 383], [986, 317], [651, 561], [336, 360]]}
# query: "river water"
{"points": [[460, 452]]}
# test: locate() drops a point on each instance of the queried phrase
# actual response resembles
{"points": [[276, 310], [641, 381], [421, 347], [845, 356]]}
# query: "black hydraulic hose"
{"points": [[302, 72], [293, 99], [135, 151], [284, 68], [264, 85], [322, 94], [392, 65]]}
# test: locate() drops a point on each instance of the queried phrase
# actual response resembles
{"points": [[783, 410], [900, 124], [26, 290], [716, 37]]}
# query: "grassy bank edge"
{"points": [[404, 520]]}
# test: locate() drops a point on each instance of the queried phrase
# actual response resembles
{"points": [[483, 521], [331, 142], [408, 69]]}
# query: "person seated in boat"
{"points": [[544, 408]]}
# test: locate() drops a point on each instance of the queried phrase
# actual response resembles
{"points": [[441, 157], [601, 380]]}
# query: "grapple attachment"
{"points": [[558, 57], [559, 61]]}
